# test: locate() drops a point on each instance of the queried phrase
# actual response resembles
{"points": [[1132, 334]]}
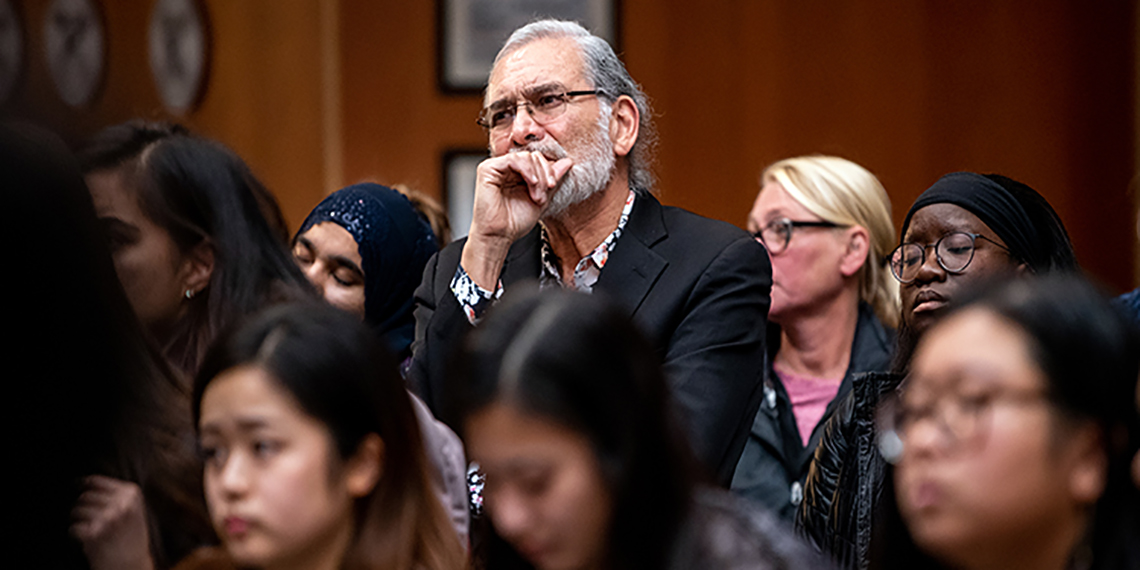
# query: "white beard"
{"points": [[594, 166]]}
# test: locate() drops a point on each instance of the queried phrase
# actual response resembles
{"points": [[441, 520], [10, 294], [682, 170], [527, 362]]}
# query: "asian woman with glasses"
{"points": [[965, 229], [1011, 442]]}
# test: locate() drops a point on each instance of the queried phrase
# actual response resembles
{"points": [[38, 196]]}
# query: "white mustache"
{"points": [[550, 149]]}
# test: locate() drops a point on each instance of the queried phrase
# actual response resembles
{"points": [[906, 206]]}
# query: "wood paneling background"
{"points": [[316, 93]]}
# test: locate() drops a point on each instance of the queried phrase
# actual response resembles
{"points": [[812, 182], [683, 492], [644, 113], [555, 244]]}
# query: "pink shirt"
{"points": [[810, 397]]}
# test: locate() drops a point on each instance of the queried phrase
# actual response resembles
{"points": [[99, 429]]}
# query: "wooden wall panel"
{"points": [[263, 98], [315, 94]]}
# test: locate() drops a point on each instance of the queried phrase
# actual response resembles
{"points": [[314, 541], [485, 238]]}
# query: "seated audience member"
{"points": [[965, 229], [826, 223], [313, 458], [364, 248], [188, 229], [564, 405], [1010, 440], [565, 200], [101, 443]]}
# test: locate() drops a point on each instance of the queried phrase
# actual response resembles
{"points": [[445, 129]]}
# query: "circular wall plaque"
{"points": [[73, 38], [179, 52]]}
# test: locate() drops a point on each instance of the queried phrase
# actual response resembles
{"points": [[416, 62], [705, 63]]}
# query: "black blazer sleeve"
{"points": [[715, 355], [440, 323]]}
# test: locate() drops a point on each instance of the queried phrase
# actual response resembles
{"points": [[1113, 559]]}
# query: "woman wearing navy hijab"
{"points": [[364, 247]]}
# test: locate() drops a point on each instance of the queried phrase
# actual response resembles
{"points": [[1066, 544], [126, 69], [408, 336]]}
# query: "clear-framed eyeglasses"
{"points": [[776, 234], [961, 419], [954, 252], [543, 107]]}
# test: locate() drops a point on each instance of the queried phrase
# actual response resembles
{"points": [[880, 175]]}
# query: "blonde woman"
{"points": [[826, 223]]}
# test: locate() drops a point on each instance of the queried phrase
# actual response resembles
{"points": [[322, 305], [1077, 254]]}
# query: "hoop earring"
{"points": [[189, 293]]}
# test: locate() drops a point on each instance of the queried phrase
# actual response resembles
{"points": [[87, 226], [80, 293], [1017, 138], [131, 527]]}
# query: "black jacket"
{"points": [[774, 465], [845, 479], [697, 287]]}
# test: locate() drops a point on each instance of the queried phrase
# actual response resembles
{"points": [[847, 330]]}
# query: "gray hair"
{"points": [[607, 73]]}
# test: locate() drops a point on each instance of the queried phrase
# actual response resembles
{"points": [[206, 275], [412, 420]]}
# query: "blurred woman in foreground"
{"points": [[313, 456], [565, 407], [1011, 440]]}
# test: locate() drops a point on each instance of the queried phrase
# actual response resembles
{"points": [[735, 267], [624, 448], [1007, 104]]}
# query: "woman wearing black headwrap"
{"points": [[364, 247], [965, 229]]}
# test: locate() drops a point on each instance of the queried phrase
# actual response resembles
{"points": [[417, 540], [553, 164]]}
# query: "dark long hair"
{"points": [[95, 396], [199, 191], [578, 361], [337, 371], [1090, 357]]}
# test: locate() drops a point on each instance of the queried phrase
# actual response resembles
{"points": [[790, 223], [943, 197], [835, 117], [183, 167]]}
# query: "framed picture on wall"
{"points": [[459, 187], [472, 31]]}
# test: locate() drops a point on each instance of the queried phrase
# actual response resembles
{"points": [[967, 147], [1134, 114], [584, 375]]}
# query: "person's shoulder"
{"points": [[685, 223], [732, 533], [1130, 303]]}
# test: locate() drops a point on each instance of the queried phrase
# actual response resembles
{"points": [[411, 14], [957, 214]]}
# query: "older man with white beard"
{"points": [[564, 201]]}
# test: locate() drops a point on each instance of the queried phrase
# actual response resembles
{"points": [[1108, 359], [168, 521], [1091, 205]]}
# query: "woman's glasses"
{"points": [[954, 253], [778, 233], [961, 418]]}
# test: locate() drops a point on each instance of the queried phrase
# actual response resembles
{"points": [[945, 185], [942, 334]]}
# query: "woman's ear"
{"points": [[858, 243], [365, 467], [1089, 471], [197, 268]]}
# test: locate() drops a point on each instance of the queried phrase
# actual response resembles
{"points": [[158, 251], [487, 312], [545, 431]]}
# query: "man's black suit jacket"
{"points": [[699, 289]]}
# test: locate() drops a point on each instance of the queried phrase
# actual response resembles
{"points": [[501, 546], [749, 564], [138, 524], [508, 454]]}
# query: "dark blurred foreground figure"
{"points": [[364, 248], [565, 406], [1011, 440], [312, 451], [964, 230], [104, 445], [198, 241]]}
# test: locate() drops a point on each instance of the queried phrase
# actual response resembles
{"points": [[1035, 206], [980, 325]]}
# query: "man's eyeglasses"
{"points": [[778, 233], [960, 418], [543, 108], [954, 253]]}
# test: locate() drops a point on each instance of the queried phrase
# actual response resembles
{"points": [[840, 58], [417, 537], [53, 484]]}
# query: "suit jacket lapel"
{"points": [[634, 267], [524, 260]]}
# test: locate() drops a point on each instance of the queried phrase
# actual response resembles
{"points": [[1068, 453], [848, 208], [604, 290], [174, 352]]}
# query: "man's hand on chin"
{"points": [[511, 192]]}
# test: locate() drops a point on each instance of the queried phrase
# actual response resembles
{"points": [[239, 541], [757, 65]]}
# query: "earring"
{"points": [[189, 293]]}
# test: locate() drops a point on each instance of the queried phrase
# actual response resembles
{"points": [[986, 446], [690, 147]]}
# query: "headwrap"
{"points": [[1006, 213], [394, 243]]}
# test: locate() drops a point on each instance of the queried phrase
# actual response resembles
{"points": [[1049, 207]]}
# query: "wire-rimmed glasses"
{"points": [[954, 252], [543, 107]]}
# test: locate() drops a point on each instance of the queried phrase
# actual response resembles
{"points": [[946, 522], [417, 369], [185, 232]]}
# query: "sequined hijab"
{"points": [[394, 243]]}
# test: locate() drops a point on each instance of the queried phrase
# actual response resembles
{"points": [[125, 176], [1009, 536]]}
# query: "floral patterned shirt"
{"points": [[475, 300]]}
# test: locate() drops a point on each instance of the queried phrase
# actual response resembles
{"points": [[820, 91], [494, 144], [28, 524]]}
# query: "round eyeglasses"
{"points": [[543, 108], [776, 234], [954, 253]]}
